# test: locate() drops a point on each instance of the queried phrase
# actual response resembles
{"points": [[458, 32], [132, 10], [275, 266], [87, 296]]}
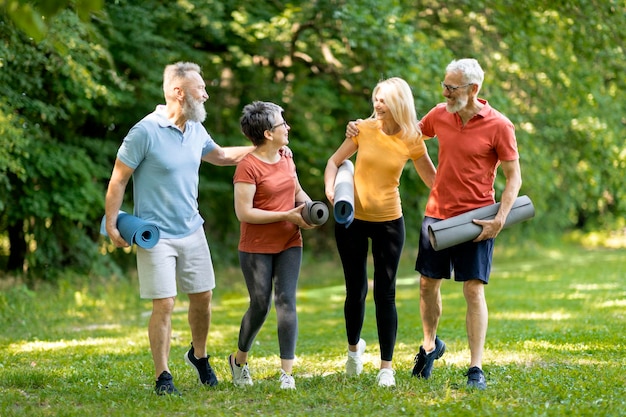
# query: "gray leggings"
{"points": [[259, 270]]}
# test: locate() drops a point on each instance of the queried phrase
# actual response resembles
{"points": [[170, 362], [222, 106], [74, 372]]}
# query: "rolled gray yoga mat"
{"points": [[343, 208], [315, 213], [460, 229], [134, 230]]}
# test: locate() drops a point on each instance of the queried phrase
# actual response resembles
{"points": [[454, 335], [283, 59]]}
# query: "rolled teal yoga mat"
{"points": [[460, 229], [315, 213], [343, 208], [134, 230]]}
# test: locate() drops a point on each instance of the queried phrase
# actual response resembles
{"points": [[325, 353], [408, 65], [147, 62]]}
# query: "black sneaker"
{"points": [[424, 362], [476, 378], [164, 385], [202, 367]]}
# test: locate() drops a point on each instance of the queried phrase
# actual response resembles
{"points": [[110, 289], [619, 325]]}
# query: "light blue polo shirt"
{"points": [[166, 163]]}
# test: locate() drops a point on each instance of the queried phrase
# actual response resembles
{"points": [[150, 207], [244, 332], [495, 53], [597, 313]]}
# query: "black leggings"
{"points": [[259, 271], [387, 243]]}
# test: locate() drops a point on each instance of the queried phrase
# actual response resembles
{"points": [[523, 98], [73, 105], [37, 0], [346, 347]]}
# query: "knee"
{"points": [[163, 306], [473, 290], [429, 286], [260, 305], [385, 296], [285, 302], [202, 298]]}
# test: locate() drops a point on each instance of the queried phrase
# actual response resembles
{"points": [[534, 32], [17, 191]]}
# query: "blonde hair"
{"points": [[399, 99]]}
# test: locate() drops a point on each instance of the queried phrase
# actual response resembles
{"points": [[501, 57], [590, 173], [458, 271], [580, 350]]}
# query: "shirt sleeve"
{"points": [[208, 144], [426, 124], [135, 146], [418, 149], [244, 172], [506, 143]]}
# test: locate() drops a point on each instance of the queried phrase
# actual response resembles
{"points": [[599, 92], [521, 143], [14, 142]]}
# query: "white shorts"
{"points": [[186, 260]]}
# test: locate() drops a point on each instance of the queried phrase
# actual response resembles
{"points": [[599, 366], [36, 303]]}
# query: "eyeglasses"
{"points": [[453, 88], [279, 125]]}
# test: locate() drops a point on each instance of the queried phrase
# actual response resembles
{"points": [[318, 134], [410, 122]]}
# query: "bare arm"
{"points": [[426, 169], [301, 195], [246, 212], [229, 155], [491, 228], [345, 151], [115, 195]]}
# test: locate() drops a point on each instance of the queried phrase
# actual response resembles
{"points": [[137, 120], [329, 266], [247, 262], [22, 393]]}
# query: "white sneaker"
{"points": [[286, 381], [240, 373], [354, 364], [386, 378]]}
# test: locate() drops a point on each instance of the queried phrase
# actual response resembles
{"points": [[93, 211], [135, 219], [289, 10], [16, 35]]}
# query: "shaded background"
{"points": [[76, 75]]}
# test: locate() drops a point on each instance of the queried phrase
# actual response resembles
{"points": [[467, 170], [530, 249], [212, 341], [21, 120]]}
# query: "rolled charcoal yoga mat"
{"points": [[134, 230], [460, 229], [315, 213], [343, 209]]}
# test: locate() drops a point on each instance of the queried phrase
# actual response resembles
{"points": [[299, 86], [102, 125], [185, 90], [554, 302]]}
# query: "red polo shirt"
{"points": [[468, 158]]}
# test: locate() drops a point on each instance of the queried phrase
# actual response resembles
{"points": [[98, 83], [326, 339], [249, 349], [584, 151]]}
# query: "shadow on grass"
{"points": [[555, 343]]}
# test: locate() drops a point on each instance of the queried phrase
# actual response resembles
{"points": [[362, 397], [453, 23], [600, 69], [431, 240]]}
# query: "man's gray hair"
{"points": [[178, 71], [470, 68]]}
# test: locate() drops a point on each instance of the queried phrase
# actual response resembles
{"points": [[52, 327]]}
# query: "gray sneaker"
{"points": [[354, 364], [240, 373]]}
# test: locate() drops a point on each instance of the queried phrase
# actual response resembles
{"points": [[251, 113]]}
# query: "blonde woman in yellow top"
{"points": [[385, 143]]}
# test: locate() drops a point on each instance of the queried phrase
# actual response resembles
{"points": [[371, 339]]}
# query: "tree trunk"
{"points": [[17, 251]]}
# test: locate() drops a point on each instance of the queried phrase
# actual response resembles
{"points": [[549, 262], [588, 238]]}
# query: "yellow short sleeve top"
{"points": [[379, 163]]}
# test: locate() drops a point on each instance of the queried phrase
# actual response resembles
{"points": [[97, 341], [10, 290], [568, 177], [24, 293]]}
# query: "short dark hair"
{"points": [[256, 118]]}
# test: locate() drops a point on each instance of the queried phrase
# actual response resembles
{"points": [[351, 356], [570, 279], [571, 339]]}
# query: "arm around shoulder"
{"points": [[229, 155], [425, 169]]}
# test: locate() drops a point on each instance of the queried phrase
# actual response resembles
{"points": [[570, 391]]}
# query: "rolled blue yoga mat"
{"points": [[134, 230], [460, 229], [343, 208], [315, 213]]}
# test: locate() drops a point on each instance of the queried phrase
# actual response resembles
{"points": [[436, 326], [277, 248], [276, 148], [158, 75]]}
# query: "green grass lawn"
{"points": [[556, 346]]}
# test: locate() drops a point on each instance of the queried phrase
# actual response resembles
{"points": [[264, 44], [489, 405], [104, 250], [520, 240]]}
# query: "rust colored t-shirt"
{"points": [[468, 158], [380, 160], [275, 191]]}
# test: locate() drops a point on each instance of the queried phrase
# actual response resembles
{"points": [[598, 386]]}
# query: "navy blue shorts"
{"points": [[469, 260]]}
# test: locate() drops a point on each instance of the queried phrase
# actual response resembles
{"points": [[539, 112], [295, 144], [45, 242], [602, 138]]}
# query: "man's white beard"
{"points": [[194, 109], [460, 103]]}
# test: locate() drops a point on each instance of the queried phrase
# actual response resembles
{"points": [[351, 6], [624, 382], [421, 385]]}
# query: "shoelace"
{"points": [[287, 380]]}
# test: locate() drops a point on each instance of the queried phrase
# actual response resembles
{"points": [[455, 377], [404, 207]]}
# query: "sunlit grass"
{"points": [[555, 347]]}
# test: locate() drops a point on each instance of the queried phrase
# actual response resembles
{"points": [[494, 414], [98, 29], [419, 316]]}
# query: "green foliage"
{"points": [[555, 346], [553, 68], [32, 17], [49, 166]]}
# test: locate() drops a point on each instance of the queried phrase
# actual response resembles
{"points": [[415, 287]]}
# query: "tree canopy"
{"points": [[76, 75]]}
